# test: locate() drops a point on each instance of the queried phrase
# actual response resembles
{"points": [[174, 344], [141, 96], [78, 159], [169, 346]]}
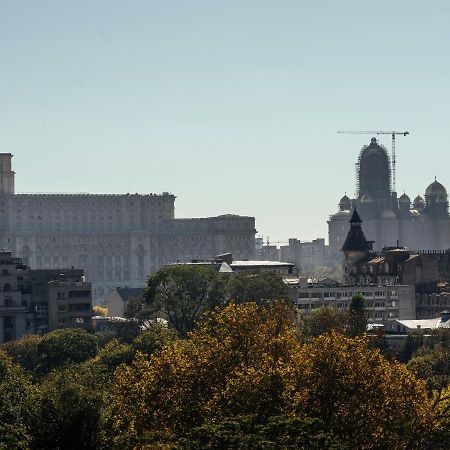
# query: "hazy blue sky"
{"points": [[233, 106]]}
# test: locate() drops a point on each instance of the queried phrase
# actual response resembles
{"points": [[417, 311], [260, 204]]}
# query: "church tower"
{"points": [[6, 174], [356, 247]]}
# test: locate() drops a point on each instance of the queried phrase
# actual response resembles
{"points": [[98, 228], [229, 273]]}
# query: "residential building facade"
{"points": [[38, 301], [384, 304]]}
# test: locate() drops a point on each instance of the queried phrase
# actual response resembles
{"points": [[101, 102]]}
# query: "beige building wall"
{"points": [[115, 304]]}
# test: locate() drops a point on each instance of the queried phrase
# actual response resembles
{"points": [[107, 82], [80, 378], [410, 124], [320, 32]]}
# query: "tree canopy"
{"points": [[67, 345], [261, 287], [182, 293], [358, 316], [323, 320], [246, 361]]}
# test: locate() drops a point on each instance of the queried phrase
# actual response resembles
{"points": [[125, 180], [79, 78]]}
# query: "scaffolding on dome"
{"points": [[358, 167]]}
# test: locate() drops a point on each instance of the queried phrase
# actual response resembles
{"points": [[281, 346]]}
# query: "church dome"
{"points": [[343, 214], [436, 188], [374, 171], [441, 198], [404, 199], [366, 198], [345, 204], [419, 202]]}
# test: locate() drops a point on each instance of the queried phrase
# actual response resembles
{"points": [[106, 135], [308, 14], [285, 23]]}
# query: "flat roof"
{"points": [[260, 264]]}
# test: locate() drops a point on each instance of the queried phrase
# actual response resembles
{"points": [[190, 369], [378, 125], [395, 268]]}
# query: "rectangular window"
{"points": [[80, 307], [41, 311]]}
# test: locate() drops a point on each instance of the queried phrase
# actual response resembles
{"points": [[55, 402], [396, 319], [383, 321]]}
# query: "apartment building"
{"points": [[38, 301], [384, 304]]}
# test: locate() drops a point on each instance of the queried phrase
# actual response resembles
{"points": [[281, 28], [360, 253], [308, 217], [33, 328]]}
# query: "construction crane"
{"points": [[393, 134]]}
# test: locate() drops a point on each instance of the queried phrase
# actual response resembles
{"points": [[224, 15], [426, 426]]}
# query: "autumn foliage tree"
{"points": [[245, 360]]}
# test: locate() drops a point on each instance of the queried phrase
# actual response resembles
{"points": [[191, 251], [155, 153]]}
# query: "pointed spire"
{"points": [[355, 217], [356, 241]]}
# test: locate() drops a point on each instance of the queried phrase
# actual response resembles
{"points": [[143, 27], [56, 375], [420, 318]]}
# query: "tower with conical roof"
{"points": [[356, 241], [356, 247]]}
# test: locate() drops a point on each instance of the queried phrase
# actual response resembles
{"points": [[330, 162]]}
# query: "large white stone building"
{"points": [[117, 239]]}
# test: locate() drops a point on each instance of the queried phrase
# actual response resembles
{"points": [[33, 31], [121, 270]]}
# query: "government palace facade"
{"points": [[118, 239]]}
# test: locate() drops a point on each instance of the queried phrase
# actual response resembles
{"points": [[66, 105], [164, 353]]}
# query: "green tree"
{"points": [[261, 287], [133, 307], [68, 404], [124, 330], [24, 351], [15, 405], [113, 354], [182, 293], [154, 338], [357, 316], [64, 346], [246, 432], [410, 346], [431, 361], [322, 320]]}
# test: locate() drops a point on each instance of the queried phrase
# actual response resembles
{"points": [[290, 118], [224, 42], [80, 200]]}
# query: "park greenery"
{"points": [[236, 367]]}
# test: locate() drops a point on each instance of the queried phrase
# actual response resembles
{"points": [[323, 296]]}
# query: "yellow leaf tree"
{"points": [[245, 360]]}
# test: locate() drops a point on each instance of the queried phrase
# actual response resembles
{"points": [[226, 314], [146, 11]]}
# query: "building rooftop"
{"points": [[426, 324], [260, 264]]}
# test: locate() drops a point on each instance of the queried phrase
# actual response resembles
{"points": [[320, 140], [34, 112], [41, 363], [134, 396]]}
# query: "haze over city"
{"points": [[207, 240], [231, 106]]}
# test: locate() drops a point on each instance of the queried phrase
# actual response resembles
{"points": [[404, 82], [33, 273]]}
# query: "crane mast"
{"points": [[393, 157]]}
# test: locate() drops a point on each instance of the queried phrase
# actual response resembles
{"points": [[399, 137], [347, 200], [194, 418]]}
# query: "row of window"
{"points": [[366, 294], [75, 307]]}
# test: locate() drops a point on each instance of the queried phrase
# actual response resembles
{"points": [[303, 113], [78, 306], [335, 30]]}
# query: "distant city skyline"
{"points": [[233, 107]]}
